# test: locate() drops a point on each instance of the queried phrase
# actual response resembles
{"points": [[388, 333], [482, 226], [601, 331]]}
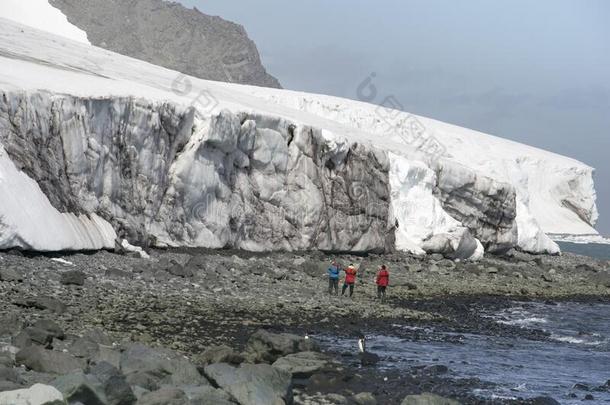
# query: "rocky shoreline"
{"points": [[102, 312]]}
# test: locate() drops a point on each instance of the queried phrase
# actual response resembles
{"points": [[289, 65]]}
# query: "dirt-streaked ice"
{"points": [[216, 164]]}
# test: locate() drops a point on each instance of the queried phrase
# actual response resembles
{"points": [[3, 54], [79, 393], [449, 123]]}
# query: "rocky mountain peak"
{"points": [[173, 36]]}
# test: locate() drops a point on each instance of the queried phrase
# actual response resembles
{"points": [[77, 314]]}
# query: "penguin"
{"points": [[366, 358], [362, 344]]}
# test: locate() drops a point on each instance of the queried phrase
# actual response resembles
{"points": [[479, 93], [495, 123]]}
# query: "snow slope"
{"points": [[41, 15], [25, 214], [274, 168]]}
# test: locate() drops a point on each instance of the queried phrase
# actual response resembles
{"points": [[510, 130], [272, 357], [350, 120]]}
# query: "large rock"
{"points": [[80, 388], [10, 275], [38, 394], [73, 277], [42, 333], [303, 365], [11, 325], [219, 354], [42, 302], [164, 396], [459, 244], [267, 347], [48, 361], [9, 374], [114, 384], [364, 398], [50, 327], [207, 395], [161, 365], [428, 399], [252, 384], [179, 270], [84, 348]]}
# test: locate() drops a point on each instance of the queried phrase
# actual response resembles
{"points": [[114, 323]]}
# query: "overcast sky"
{"points": [[537, 72]]}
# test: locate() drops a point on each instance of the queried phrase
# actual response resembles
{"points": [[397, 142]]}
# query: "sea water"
{"points": [[578, 352]]}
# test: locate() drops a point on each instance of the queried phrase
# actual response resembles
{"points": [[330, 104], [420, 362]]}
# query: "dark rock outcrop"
{"points": [[170, 35]]}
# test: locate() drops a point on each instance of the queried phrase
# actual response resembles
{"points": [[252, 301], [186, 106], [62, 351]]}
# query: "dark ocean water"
{"points": [[597, 250], [577, 353]]}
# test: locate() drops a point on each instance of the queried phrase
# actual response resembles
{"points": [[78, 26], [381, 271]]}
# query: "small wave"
{"points": [[523, 322], [576, 341], [520, 388]]}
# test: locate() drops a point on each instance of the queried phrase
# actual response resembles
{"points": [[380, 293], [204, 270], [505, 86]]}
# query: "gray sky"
{"points": [[537, 72]]}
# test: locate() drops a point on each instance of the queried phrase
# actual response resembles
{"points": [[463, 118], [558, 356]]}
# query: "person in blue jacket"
{"points": [[333, 278]]}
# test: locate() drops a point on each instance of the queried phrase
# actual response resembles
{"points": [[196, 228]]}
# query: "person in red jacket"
{"points": [[382, 280], [350, 279]]}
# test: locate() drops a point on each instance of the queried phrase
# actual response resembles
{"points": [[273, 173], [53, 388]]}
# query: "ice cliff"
{"points": [[95, 145]]}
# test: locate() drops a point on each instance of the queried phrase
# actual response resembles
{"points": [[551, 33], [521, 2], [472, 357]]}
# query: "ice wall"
{"points": [[165, 175]]}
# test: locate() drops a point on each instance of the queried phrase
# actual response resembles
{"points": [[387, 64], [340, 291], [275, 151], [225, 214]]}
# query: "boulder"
{"points": [[114, 384], [457, 244], [125, 248], [73, 277], [219, 354], [6, 359], [428, 399], [179, 270], [252, 384], [84, 348], [10, 325], [364, 398], [198, 263], [9, 386], [38, 394], [47, 361], [9, 374], [107, 354], [266, 347], [336, 399], [10, 275], [116, 273], [80, 388], [42, 303], [50, 327], [22, 340], [436, 369], [42, 333], [207, 395], [368, 359], [98, 336], [162, 365], [603, 388], [303, 364], [164, 396], [147, 380]]}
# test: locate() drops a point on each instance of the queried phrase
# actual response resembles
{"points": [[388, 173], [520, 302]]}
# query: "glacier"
{"points": [[102, 146], [43, 16]]}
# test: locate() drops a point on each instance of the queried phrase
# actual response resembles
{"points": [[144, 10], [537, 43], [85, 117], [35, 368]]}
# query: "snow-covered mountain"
{"points": [[93, 143]]}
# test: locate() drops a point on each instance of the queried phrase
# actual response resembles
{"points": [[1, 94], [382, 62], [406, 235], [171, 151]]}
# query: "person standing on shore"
{"points": [[382, 280], [333, 278], [350, 279]]}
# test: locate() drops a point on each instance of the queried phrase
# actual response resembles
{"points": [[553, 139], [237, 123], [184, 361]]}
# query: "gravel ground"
{"points": [[187, 300]]}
